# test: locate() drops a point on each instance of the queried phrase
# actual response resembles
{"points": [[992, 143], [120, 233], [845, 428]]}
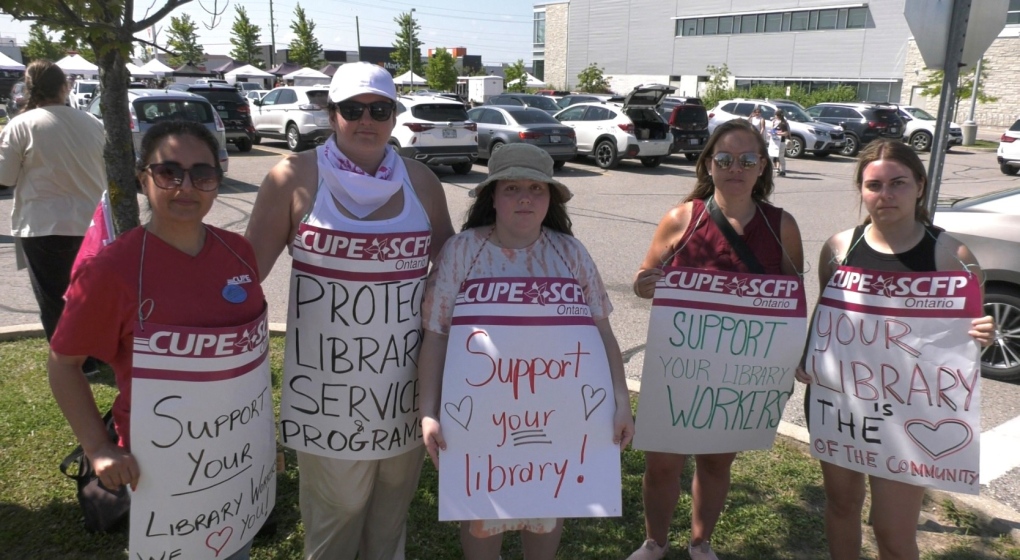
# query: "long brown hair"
{"points": [[44, 82], [704, 187], [483, 211], [894, 150]]}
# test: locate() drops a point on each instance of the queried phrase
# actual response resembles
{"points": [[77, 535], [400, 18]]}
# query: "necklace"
{"points": [[499, 242]]}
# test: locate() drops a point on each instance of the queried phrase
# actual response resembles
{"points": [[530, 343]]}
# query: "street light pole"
{"points": [[410, 45]]}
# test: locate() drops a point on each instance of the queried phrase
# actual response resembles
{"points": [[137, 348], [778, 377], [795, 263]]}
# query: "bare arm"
{"points": [[623, 420], [431, 361], [836, 245], [283, 198], [982, 328], [113, 464], [667, 234], [433, 199]]}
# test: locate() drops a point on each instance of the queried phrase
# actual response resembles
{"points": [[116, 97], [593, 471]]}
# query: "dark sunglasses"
{"points": [[378, 110], [170, 175], [724, 160]]}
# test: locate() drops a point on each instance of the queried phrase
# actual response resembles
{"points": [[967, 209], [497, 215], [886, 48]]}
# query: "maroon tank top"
{"points": [[704, 246]]}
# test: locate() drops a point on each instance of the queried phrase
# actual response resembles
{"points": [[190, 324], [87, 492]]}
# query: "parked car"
{"points": [[254, 95], [543, 102], [1008, 153], [16, 99], [630, 128], [232, 108], [919, 129], [245, 87], [573, 99], [807, 135], [862, 122], [990, 226], [688, 123], [148, 107], [296, 114], [81, 93], [435, 131], [499, 126]]}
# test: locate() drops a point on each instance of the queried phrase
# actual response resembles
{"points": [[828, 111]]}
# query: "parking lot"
{"points": [[615, 213]]}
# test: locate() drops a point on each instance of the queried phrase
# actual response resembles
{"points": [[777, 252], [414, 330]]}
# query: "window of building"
{"points": [[725, 25], [773, 23], [748, 23], [1013, 13], [539, 35], [812, 20], [857, 18], [711, 26], [799, 21], [784, 21], [538, 67], [827, 19], [690, 27]]}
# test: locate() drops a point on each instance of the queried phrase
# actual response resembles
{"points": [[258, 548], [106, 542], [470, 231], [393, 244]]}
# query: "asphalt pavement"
{"points": [[615, 213]]}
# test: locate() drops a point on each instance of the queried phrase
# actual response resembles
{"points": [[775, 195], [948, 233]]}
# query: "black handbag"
{"points": [[104, 509]]}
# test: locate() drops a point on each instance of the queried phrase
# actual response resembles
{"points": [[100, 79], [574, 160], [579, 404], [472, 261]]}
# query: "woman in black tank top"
{"points": [[897, 236]]}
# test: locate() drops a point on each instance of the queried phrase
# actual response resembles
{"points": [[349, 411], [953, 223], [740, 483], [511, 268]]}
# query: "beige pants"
{"points": [[357, 508]]}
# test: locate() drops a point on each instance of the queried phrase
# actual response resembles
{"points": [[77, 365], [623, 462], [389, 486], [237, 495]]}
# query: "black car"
{"points": [[232, 108], [688, 122], [862, 122]]}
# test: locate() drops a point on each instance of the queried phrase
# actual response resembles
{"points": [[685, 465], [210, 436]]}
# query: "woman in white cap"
{"points": [[362, 225], [517, 227]]}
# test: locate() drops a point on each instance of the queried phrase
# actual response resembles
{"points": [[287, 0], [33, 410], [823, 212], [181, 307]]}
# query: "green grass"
{"points": [[774, 509]]}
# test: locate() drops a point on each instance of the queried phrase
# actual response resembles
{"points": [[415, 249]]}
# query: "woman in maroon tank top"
{"points": [[734, 170], [892, 182]]}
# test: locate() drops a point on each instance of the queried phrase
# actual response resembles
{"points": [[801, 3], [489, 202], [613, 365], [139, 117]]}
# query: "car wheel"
{"points": [[494, 148], [852, 146], [294, 141], [605, 154], [257, 139], [921, 141], [558, 164], [651, 161], [823, 154], [692, 157], [462, 168], [1001, 360], [1008, 169], [794, 147], [243, 144]]}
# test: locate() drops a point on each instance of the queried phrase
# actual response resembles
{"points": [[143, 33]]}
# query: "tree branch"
{"points": [[215, 14], [149, 21]]}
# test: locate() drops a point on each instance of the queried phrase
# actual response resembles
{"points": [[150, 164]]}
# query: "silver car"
{"points": [[990, 226], [151, 106], [499, 126]]}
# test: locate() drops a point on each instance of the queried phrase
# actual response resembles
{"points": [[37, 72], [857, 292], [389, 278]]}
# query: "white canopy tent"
{"points": [[405, 79], [247, 71], [307, 77], [533, 82], [8, 63], [138, 72], [156, 67], [76, 64]]}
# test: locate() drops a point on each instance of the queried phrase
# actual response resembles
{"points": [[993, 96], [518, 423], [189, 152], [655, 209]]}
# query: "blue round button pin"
{"points": [[234, 293]]}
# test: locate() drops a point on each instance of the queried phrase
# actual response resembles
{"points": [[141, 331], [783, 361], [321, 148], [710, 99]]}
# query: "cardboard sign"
{"points": [[527, 408], [720, 361], [896, 390], [353, 335], [203, 433]]}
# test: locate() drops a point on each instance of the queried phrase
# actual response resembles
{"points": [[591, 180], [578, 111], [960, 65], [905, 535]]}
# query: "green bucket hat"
{"points": [[522, 161]]}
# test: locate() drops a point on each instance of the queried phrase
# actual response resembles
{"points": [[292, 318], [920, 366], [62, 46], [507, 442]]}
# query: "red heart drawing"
{"points": [[953, 438], [210, 541]]}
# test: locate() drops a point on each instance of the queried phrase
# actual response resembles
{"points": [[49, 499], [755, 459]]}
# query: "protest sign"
{"points": [[353, 334], [528, 404], [896, 378], [203, 433], [720, 360]]}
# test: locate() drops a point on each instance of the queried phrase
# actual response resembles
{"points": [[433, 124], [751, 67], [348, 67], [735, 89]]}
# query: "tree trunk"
{"points": [[119, 153]]}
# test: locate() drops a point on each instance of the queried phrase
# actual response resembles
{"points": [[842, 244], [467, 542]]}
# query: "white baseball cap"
{"points": [[356, 78]]}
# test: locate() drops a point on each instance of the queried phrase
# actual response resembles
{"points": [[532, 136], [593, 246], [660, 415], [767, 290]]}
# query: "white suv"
{"points": [[296, 114], [622, 128], [919, 129], [1008, 154], [436, 131], [81, 93], [806, 133]]}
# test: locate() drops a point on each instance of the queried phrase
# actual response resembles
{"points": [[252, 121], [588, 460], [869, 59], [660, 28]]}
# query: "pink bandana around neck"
{"points": [[357, 191]]}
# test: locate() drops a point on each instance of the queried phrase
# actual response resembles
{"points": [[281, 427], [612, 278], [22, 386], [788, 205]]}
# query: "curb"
{"points": [[999, 516]]}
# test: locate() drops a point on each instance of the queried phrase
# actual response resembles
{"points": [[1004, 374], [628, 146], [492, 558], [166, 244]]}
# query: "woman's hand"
{"points": [[114, 466], [983, 330], [802, 375], [432, 433], [644, 282], [623, 426]]}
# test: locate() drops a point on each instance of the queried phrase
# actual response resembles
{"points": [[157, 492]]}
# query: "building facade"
{"points": [[810, 43]]}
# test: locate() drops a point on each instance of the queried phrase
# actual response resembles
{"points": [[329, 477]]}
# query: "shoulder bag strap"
{"points": [[741, 248]]}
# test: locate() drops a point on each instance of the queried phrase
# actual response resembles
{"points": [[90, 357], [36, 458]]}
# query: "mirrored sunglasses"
{"points": [[378, 110], [170, 175], [748, 160]]}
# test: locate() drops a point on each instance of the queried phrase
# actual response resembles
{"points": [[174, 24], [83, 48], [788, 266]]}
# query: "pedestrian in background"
{"points": [[757, 121], [52, 155], [778, 133]]}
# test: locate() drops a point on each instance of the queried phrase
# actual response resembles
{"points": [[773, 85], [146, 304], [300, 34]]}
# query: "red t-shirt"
{"points": [[102, 300], [704, 246]]}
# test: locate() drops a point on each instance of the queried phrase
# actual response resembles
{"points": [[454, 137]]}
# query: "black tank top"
{"points": [[919, 258]]}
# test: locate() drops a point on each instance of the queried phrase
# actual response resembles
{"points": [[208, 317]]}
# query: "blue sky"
{"points": [[499, 31]]}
